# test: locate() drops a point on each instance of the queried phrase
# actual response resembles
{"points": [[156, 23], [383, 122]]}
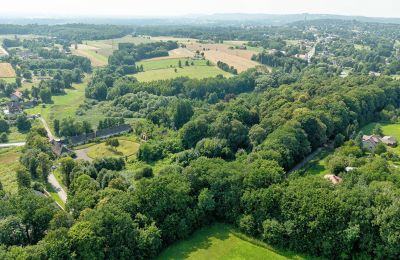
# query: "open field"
{"points": [[66, 105], [7, 71], [219, 241], [169, 38], [125, 148], [361, 47], [240, 59], [317, 166], [15, 136], [181, 53], [198, 72], [152, 64], [92, 53], [9, 161], [8, 80]]}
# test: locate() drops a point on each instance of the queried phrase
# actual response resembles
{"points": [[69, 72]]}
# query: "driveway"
{"points": [[82, 154], [57, 187], [46, 126]]}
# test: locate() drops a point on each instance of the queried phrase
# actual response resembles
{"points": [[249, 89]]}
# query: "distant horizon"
{"points": [[130, 9]]}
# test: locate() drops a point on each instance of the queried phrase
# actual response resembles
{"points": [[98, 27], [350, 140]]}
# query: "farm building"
{"points": [[12, 108], [16, 96], [101, 133], [59, 148], [370, 142]]}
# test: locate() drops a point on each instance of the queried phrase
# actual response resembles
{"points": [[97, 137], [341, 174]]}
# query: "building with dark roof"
{"points": [[112, 131], [81, 139], [59, 148]]}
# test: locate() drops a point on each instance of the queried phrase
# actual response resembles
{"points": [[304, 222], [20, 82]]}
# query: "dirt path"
{"points": [[46, 126], [305, 160], [82, 154]]}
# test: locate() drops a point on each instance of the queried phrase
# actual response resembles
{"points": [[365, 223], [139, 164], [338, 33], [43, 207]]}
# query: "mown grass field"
{"points": [[125, 148], [221, 242], [169, 63], [8, 80], [318, 166], [197, 72], [9, 161], [15, 136]]}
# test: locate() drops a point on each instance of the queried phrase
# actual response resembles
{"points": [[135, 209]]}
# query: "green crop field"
{"points": [[198, 72], [125, 148], [168, 63], [221, 242], [9, 161]]}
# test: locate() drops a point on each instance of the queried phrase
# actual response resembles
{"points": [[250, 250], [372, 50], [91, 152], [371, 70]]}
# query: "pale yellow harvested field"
{"points": [[97, 59], [6, 71], [176, 54], [174, 39], [240, 59], [239, 63]]}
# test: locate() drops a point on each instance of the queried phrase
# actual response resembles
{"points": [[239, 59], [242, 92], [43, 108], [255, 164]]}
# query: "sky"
{"points": [[156, 8]]}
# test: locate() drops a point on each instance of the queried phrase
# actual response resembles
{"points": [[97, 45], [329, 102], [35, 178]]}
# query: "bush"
{"points": [[145, 172]]}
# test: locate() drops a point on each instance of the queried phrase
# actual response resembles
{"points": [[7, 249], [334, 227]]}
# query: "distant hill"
{"points": [[231, 19]]}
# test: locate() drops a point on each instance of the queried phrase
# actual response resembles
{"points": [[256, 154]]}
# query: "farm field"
{"points": [[9, 161], [8, 80], [198, 72], [152, 64], [7, 71], [219, 241], [125, 148], [97, 59], [240, 59]]}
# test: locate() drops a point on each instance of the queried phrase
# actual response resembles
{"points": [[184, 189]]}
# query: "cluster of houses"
{"points": [[370, 142], [60, 147], [15, 106]]}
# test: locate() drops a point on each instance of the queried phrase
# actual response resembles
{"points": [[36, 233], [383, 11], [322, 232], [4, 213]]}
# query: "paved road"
{"points": [[12, 144], [57, 187]]}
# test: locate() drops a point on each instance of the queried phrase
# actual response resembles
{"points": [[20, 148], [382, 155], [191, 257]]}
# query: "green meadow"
{"points": [[221, 242]]}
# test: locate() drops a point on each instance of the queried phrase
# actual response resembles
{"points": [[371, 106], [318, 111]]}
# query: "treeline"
{"points": [[280, 60], [225, 67], [105, 86], [67, 62], [73, 32]]}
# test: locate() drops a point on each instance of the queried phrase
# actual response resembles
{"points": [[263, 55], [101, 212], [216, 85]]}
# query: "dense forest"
{"points": [[216, 150]]}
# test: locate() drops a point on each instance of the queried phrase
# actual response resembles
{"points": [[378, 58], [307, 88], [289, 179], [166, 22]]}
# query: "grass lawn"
{"points": [[317, 166], [54, 195], [220, 241], [198, 72], [168, 63], [8, 80], [9, 161], [125, 148], [15, 136]]}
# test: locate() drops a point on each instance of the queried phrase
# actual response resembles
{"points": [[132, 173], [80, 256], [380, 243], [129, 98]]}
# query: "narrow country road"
{"points": [[305, 160], [12, 145], [57, 187], [46, 126]]}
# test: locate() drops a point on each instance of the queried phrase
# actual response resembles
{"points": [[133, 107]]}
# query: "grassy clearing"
{"points": [[66, 105], [125, 148], [317, 166], [54, 195], [198, 72], [9, 161], [169, 63], [97, 58], [15, 136], [361, 47], [220, 241]]}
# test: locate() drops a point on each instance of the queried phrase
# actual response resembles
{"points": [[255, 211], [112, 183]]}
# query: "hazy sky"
{"points": [[132, 8]]}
